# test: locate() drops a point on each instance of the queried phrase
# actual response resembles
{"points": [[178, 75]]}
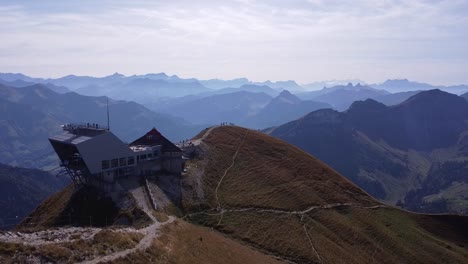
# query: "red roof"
{"points": [[153, 138]]}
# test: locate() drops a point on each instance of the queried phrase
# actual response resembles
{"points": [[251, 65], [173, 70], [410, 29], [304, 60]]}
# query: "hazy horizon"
{"points": [[305, 41], [336, 81]]}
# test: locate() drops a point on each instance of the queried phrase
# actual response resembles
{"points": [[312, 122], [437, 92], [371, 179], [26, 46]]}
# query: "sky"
{"points": [[302, 40]]}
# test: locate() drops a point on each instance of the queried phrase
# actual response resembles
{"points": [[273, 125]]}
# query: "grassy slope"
{"points": [[49, 210], [183, 242], [80, 207], [269, 173]]}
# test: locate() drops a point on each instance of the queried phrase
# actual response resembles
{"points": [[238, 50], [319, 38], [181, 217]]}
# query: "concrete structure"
{"points": [[93, 155]]}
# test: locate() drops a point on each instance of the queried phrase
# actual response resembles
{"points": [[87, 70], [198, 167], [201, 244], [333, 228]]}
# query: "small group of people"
{"points": [[186, 142], [73, 127], [227, 124], [93, 125]]}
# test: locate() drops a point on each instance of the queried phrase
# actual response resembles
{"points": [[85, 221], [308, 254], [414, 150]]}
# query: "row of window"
{"points": [[148, 156], [122, 162], [114, 163]]}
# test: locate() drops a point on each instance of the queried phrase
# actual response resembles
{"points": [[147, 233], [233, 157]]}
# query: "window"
{"points": [[155, 153], [150, 155], [114, 163], [131, 160], [143, 156], [122, 162], [105, 164]]}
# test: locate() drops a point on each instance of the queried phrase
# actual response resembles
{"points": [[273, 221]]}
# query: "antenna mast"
{"points": [[108, 123]]}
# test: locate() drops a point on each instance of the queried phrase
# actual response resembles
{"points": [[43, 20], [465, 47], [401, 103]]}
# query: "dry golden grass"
{"points": [[104, 242], [182, 242], [47, 212], [347, 235], [271, 173]]}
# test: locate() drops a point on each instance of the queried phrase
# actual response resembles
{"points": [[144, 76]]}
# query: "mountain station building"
{"points": [[93, 155]]}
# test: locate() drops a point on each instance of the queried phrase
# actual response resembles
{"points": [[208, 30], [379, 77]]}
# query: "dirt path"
{"points": [[300, 213], [71, 234], [151, 232], [282, 211], [197, 142], [312, 244], [227, 170]]}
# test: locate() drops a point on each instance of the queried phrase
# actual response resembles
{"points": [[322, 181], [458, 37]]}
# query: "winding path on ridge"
{"points": [[151, 232], [227, 170], [68, 234], [197, 142], [219, 211]]}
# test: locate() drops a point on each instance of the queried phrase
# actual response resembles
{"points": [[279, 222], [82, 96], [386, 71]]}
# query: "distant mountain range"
{"points": [[29, 114], [342, 96], [390, 151], [281, 109], [404, 85], [154, 89], [253, 108], [227, 107], [236, 83]]}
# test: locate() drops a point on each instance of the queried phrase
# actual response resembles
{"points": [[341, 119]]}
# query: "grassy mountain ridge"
{"points": [[280, 200]]}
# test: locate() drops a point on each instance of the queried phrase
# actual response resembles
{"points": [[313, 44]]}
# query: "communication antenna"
{"points": [[108, 123]]}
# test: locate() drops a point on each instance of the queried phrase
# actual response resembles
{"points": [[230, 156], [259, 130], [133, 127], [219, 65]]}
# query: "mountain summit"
{"points": [[287, 97]]}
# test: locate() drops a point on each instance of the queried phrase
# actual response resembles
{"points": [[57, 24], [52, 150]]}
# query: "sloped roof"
{"points": [[154, 138], [93, 150], [69, 138]]}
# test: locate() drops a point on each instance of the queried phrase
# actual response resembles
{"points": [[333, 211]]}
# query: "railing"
{"points": [[150, 195], [74, 126]]}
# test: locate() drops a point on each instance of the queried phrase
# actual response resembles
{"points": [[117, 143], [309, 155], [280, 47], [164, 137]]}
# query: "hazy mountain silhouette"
{"points": [[404, 85], [246, 87], [283, 108], [395, 98], [236, 83], [342, 96], [315, 86], [21, 190], [465, 95], [143, 90], [282, 85], [20, 83], [220, 84], [231, 107], [250, 109]]}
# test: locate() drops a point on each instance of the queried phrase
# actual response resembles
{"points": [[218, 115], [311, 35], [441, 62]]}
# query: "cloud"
{"points": [[303, 40]]}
